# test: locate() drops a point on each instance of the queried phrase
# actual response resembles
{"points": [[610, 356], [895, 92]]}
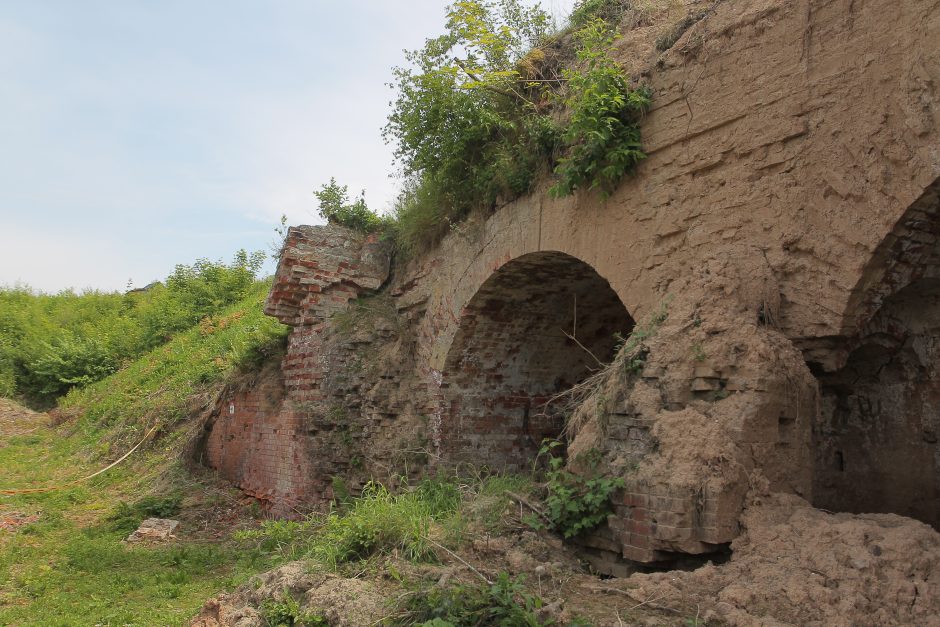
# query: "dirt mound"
{"points": [[342, 602], [799, 565]]}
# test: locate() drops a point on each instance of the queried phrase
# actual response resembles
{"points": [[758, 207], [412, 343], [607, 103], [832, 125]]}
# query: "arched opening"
{"points": [[876, 439], [539, 325]]}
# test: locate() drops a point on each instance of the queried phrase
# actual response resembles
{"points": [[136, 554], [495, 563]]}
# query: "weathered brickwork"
{"points": [[785, 217], [536, 328], [271, 444]]}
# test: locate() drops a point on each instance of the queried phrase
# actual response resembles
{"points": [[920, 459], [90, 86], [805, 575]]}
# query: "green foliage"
{"points": [[287, 612], [602, 139], [465, 121], [195, 291], [161, 385], [576, 503], [375, 523], [50, 344], [473, 121], [335, 208], [504, 602], [587, 10], [380, 521], [71, 359]]}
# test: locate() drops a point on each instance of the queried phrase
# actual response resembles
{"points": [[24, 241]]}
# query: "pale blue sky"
{"points": [[135, 135]]}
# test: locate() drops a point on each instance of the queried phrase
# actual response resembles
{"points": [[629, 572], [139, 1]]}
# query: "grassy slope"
{"points": [[69, 567]]}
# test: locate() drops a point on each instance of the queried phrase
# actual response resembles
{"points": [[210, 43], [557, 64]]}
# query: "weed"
{"points": [[607, 10], [288, 613], [575, 503], [698, 353], [504, 602], [602, 137], [335, 208]]}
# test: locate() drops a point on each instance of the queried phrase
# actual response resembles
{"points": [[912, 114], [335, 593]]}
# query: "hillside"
{"points": [[61, 553]]}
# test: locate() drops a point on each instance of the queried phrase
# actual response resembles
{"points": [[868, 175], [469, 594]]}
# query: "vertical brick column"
{"points": [[268, 439]]}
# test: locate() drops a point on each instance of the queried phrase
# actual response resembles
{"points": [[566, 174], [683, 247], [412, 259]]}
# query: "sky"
{"points": [[139, 134]]}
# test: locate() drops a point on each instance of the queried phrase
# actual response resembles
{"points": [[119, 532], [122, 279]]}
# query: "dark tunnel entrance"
{"points": [[513, 352], [876, 438]]}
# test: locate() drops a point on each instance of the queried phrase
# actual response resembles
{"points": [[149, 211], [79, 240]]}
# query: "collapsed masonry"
{"points": [[788, 223]]}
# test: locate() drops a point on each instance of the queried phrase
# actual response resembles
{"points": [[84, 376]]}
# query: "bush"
{"points": [[195, 291], [602, 139], [473, 122], [467, 130], [50, 344], [576, 503], [335, 208]]}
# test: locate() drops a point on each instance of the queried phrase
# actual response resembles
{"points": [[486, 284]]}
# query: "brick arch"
{"points": [[876, 438], [538, 325], [911, 251]]}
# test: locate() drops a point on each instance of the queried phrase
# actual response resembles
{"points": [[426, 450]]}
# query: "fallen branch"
{"points": [[535, 509], [461, 560]]}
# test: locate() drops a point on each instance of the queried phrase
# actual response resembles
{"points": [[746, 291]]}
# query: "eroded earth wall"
{"points": [[786, 223]]}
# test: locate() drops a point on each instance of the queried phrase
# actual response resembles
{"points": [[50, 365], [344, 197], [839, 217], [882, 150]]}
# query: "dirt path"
{"points": [[18, 420]]}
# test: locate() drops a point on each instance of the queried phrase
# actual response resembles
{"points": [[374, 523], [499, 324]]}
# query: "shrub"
{"points": [[467, 130], [196, 291], [576, 503], [473, 124], [70, 359], [50, 344], [602, 139], [335, 208]]}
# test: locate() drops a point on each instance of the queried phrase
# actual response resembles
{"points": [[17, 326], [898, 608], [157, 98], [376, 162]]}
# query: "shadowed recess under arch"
{"points": [[540, 324]]}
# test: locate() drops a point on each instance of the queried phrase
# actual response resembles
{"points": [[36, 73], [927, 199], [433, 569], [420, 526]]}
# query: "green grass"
{"points": [[440, 511], [69, 566], [170, 382]]}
